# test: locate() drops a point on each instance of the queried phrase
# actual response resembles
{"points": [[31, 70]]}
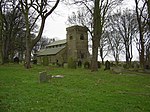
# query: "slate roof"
{"points": [[50, 51], [57, 42]]}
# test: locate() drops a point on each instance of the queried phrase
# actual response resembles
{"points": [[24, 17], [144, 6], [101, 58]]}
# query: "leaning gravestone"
{"points": [[107, 65], [117, 70], [136, 65]]}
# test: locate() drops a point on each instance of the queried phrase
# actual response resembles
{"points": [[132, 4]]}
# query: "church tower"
{"points": [[77, 43]]}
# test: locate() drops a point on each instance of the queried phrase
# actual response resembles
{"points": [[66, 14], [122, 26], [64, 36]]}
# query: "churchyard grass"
{"points": [[79, 91]]}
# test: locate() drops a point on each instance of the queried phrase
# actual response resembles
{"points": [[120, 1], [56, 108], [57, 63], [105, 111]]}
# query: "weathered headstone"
{"points": [[87, 65], [107, 65], [136, 65], [116, 70], [147, 65], [34, 61], [43, 77], [79, 63], [16, 60], [99, 64], [112, 64]]}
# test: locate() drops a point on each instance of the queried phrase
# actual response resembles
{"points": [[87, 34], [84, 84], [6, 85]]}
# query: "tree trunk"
{"points": [[94, 66], [141, 52], [148, 7], [141, 44], [1, 52], [102, 61], [101, 55], [96, 37], [5, 50], [127, 55], [27, 58], [1, 36], [117, 60], [28, 45]]}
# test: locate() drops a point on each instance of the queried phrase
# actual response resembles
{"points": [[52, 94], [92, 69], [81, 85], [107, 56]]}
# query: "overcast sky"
{"points": [[55, 26], [56, 23]]}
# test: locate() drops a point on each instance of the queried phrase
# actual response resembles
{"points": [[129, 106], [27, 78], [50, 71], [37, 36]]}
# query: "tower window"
{"points": [[81, 37], [70, 37]]}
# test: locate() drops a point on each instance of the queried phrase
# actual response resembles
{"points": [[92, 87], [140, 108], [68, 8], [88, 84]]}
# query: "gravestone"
{"points": [[116, 70], [86, 65], [147, 65], [99, 64], [44, 77], [107, 65], [136, 65], [34, 61], [79, 63], [16, 60]]}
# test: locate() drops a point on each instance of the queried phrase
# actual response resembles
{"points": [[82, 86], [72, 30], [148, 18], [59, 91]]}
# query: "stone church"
{"points": [[74, 46]]}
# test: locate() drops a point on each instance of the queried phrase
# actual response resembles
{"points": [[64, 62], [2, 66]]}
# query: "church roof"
{"points": [[50, 51], [57, 42]]}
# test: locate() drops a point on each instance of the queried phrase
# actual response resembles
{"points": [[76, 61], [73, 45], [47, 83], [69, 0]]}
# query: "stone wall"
{"points": [[60, 57]]}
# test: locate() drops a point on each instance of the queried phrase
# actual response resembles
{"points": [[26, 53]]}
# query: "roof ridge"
{"points": [[58, 42]]}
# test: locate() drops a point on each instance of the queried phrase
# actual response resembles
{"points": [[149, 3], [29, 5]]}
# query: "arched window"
{"points": [[81, 37]]}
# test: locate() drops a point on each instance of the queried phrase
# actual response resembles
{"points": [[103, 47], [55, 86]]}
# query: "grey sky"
{"points": [[56, 24]]}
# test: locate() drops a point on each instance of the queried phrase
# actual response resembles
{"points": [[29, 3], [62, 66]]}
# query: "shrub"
{"points": [[86, 65], [71, 63]]}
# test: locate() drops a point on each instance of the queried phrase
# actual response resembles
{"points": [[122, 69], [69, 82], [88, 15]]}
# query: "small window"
{"points": [[70, 37], [81, 37]]}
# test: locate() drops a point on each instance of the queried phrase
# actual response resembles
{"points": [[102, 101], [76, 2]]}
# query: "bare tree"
{"points": [[124, 22], [148, 34], [41, 44], [11, 26], [40, 9], [98, 11], [104, 48], [115, 42], [148, 12], [141, 19]]}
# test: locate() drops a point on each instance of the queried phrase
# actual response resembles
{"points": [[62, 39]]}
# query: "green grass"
{"points": [[79, 91]]}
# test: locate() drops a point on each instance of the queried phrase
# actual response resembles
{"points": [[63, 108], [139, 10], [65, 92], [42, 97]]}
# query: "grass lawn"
{"points": [[79, 91]]}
